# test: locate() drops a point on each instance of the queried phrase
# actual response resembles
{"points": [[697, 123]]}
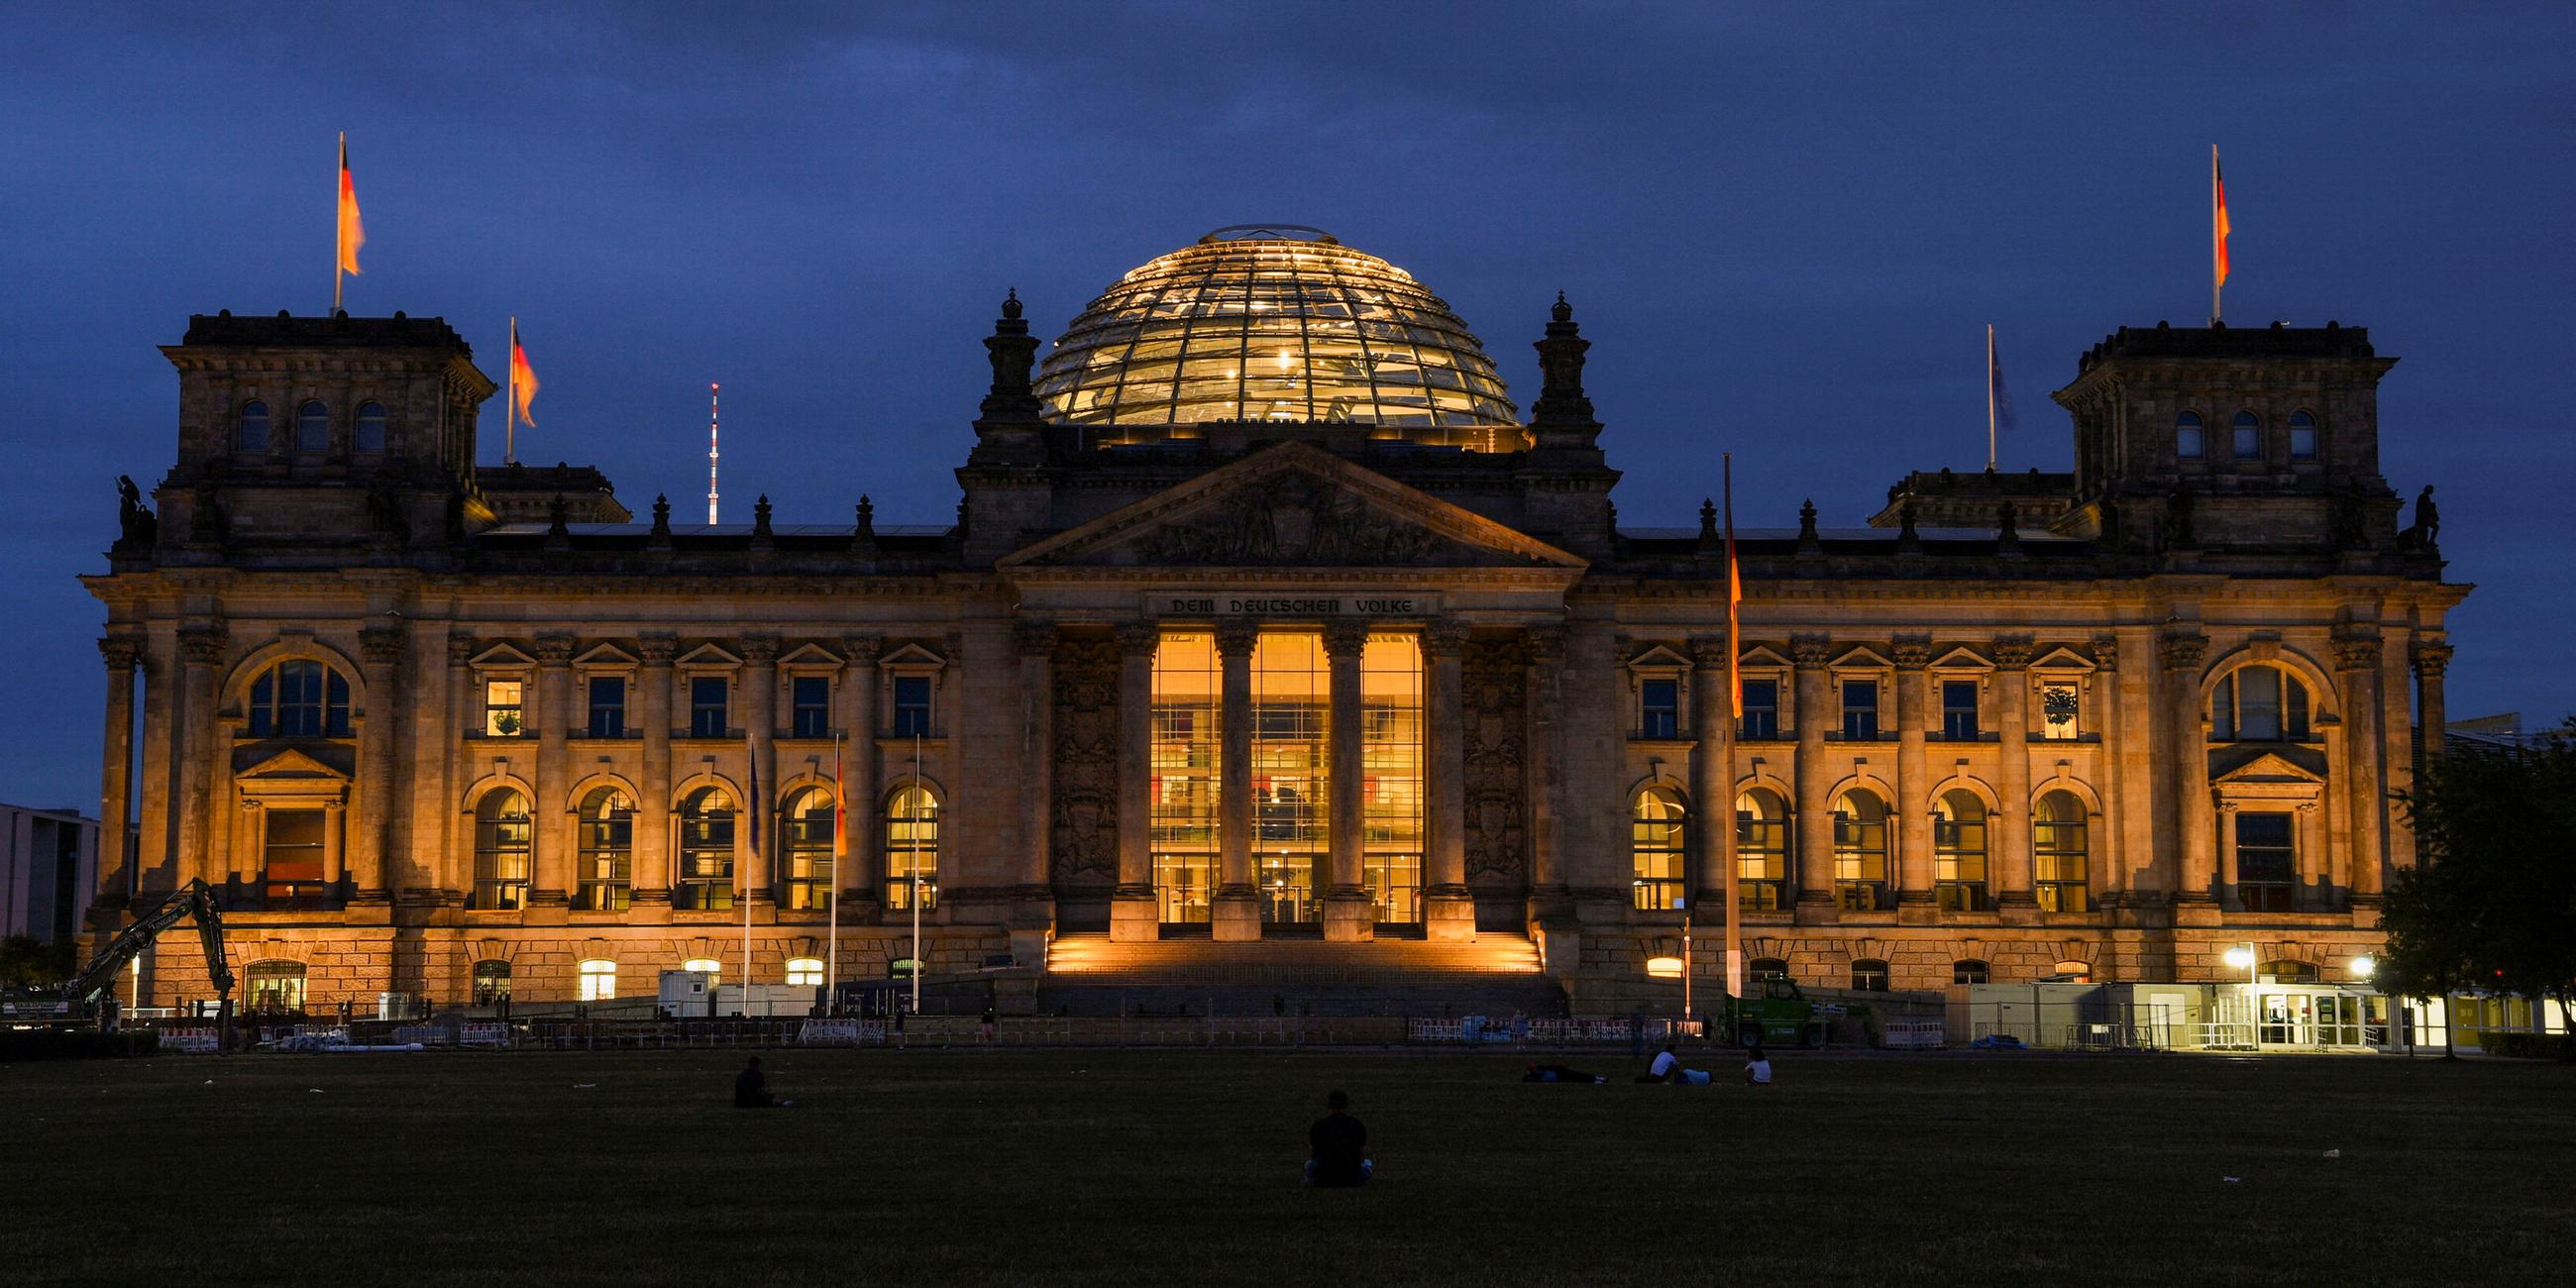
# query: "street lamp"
{"points": [[2363, 967], [2242, 958]]}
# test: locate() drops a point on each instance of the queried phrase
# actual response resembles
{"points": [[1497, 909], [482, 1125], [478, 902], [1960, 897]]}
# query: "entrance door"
{"points": [[1288, 890], [1395, 888], [1183, 888]]}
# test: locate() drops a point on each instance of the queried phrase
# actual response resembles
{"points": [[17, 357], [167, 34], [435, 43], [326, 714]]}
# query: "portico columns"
{"points": [[1449, 911], [1237, 911], [551, 814], [2365, 764], [2195, 816], [1348, 912], [379, 652], [2432, 659], [2009, 832], [1034, 642], [201, 647], [651, 876], [116, 770], [1712, 777], [1913, 806], [1815, 862], [1133, 914], [859, 772]]}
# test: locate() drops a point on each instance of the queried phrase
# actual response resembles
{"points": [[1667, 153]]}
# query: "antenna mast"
{"points": [[712, 387]]}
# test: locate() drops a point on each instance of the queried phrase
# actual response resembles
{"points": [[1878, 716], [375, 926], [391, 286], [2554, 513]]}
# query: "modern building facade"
{"points": [[1266, 615], [48, 871]]}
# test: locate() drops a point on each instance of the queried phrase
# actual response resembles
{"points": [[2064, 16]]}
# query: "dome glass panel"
{"points": [[1276, 323]]}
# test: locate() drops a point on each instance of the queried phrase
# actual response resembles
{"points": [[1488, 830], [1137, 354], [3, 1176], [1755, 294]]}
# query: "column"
{"points": [[651, 873], [335, 843], [201, 648], [1543, 772], [550, 813], [2008, 832], [156, 851], [1913, 806], [1034, 642], [2357, 657], [760, 735], [2108, 854], [2432, 659], [1133, 914], [252, 828], [453, 873], [2194, 818], [116, 771], [1449, 911], [859, 725], [1712, 771], [1348, 913], [380, 651], [1815, 857], [2230, 896], [1237, 914], [2312, 894]]}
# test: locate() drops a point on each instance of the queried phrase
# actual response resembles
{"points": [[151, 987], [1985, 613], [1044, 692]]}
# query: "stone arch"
{"points": [[235, 694], [1769, 782], [1969, 783], [2081, 790], [704, 778], [582, 789], [938, 792], [1679, 789], [476, 790], [2324, 697], [1869, 781]]}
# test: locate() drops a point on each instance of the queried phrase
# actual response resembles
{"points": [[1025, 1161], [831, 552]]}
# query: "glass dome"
{"points": [[1275, 322]]}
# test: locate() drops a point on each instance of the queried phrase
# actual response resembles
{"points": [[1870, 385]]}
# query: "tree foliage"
{"points": [[27, 962]]}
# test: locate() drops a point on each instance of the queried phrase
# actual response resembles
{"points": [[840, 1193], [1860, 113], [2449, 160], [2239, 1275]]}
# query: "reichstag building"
{"points": [[1268, 621]]}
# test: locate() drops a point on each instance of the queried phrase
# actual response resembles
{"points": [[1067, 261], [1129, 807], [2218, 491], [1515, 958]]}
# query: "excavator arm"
{"points": [[195, 899]]}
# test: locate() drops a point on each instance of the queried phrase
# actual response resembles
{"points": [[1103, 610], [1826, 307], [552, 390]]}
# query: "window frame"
{"points": [[706, 840], [898, 725], [1962, 723], [487, 986], [1757, 887], [614, 724], [604, 839], [495, 714], [2190, 437], [1651, 887], [2293, 708], [359, 445], [2239, 427], [598, 979], [896, 895], [1962, 853], [1853, 717], [811, 889], [1767, 727], [2050, 853], [1864, 969], [2305, 440], [1964, 968], [242, 419], [495, 887], [2267, 894], [312, 413], [699, 725], [1858, 891], [820, 726], [268, 704]]}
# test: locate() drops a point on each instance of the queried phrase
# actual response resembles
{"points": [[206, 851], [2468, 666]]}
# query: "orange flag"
{"points": [[840, 809], [1734, 601], [2217, 220], [523, 378], [352, 235]]}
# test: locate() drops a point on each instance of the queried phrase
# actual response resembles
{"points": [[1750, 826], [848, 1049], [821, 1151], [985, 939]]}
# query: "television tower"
{"points": [[712, 387]]}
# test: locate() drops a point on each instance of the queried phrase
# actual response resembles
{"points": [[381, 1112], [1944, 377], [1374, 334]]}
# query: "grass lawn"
{"points": [[1169, 1169]]}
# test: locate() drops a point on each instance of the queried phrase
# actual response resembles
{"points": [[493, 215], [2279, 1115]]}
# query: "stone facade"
{"points": [[2027, 738]]}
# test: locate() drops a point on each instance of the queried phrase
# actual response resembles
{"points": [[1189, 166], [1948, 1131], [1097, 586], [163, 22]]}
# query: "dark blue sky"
{"points": [[1784, 230]]}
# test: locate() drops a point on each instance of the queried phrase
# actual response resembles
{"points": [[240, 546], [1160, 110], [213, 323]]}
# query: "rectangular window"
{"points": [[291, 863], [2258, 704], [503, 716], [1860, 710], [2267, 861], [1187, 751], [2303, 442], [2057, 710], [2187, 443], [1659, 709], [1959, 710], [708, 717], [1761, 711], [607, 706], [2247, 444], [810, 707], [912, 706]]}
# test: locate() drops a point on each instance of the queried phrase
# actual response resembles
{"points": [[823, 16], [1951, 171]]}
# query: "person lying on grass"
{"points": [[1556, 1073]]}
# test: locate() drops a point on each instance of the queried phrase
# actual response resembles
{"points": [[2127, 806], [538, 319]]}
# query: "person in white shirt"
{"points": [[1757, 1068], [1666, 1066]]}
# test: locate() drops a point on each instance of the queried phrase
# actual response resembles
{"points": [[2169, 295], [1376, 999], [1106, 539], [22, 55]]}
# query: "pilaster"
{"points": [[1236, 913], [1348, 912], [1449, 911], [1134, 915], [1913, 834]]}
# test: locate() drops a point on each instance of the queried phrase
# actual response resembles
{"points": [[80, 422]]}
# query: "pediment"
{"points": [[1292, 506], [810, 655], [1763, 655], [604, 655], [710, 655], [911, 655], [2268, 767], [1963, 658], [2062, 658], [1659, 657], [503, 656], [1862, 656], [290, 764]]}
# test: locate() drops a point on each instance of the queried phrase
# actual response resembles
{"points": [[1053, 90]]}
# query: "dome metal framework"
{"points": [[1275, 322]]}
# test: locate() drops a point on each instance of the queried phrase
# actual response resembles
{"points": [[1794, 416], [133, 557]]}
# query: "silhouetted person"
{"points": [[1757, 1068], [1337, 1147], [1556, 1073], [751, 1089]]}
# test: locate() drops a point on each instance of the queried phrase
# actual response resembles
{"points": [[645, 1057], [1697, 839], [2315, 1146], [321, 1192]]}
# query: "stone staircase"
{"points": [[1089, 974]]}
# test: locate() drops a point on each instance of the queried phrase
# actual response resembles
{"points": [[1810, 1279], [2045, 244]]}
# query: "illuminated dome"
{"points": [[1275, 322]]}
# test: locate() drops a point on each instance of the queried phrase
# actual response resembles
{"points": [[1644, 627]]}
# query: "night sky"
{"points": [[1784, 231]]}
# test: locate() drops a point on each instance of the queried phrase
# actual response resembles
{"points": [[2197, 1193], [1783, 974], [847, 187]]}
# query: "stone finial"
{"points": [[867, 517], [1908, 541], [1563, 312], [2007, 534], [1809, 541], [558, 523], [1011, 304], [1707, 520], [662, 515], [1561, 401], [1013, 352], [760, 530]]}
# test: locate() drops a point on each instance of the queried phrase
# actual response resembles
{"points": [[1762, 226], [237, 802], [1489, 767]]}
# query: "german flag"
{"points": [[523, 378], [2217, 220], [352, 234]]}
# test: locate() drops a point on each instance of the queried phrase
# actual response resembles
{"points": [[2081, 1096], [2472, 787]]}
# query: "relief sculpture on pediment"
{"points": [[1084, 828], [1496, 745], [1298, 519]]}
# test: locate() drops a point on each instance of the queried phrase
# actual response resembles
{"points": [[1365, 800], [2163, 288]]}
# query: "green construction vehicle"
{"points": [[1778, 1015]]}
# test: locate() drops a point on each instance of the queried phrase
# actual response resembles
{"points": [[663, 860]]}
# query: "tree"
{"points": [[27, 962], [2492, 900]]}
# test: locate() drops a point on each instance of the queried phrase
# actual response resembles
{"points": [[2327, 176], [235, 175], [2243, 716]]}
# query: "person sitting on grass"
{"points": [[1757, 1068], [1556, 1073], [751, 1089], [1338, 1147], [1668, 1068]]}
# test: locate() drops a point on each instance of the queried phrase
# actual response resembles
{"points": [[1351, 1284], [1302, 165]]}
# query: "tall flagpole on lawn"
{"points": [[1990, 396], [914, 848], [1735, 708], [756, 809], [840, 857]]}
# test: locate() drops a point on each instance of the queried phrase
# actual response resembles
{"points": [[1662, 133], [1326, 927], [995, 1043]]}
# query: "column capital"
{"points": [[759, 650], [1710, 652], [862, 651], [1345, 637], [1810, 650], [657, 650], [460, 649], [2432, 657], [202, 643], [1033, 638], [120, 652], [2356, 650], [1135, 638], [382, 645], [1235, 637], [554, 650], [2106, 652], [2182, 651], [1911, 651], [1444, 639], [2013, 652]]}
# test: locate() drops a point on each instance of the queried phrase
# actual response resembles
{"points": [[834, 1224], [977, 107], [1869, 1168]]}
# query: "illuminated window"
{"points": [[2259, 702], [810, 707], [2058, 709], [1188, 746], [805, 833], [2059, 863], [504, 839], [503, 714], [707, 966], [598, 980], [291, 859], [2187, 445], [607, 706], [312, 428], [1761, 851], [1291, 772], [607, 845], [273, 988], [2267, 861], [370, 428], [911, 847], [491, 983], [1968, 970], [2303, 437], [1869, 975], [250, 430], [1860, 851], [1391, 783], [2245, 437], [1659, 708], [1657, 824], [299, 699], [2285, 971], [1959, 853], [706, 850], [2070, 973], [805, 972]]}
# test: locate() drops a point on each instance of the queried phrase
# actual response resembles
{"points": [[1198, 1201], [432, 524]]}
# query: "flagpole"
{"points": [[756, 809], [1990, 395], [337, 232], [2217, 246], [1735, 706], [915, 847], [510, 410], [840, 850]]}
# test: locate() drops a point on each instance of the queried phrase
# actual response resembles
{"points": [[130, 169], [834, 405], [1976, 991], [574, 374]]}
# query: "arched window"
{"points": [[1762, 970], [805, 972], [707, 966], [1959, 853], [912, 847], [250, 431], [312, 428], [2060, 866], [706, 850], [1869, 975], [1656, 823], [2070, 973], [1761, 851], [2245, 437], [2259, 702], [1968, 970], [598, 980], [1860, 851], [2303, 436], [2285, 971], [273, 988], [491, 983], [607, 845], [299, 698], [2187, 445], [504, 838], [805, 827], [370, 435]]}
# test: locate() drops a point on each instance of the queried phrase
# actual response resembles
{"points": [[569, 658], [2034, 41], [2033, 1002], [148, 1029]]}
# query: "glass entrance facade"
{"points": [[1392, 765], [1291, 773], [1188, 757]]}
